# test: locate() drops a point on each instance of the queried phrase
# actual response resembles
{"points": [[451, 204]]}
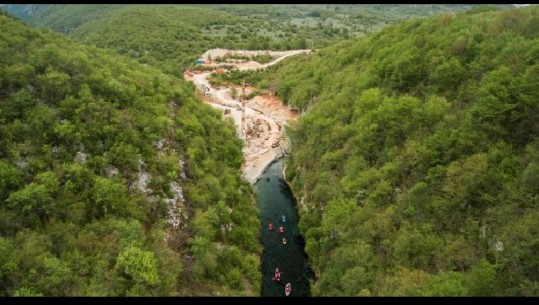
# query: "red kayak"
{"points": [[270, 226], [277, 275], [287, 289], [281, 229]]}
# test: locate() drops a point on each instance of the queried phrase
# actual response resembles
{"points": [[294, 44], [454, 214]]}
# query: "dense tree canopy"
{"points": [[415, 161], [93, 149]]}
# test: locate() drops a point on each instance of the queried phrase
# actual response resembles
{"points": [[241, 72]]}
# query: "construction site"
{"points": [[260, 120]]}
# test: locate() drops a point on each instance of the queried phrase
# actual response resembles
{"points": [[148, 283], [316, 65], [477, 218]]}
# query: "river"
{"points": [[274, 200]]}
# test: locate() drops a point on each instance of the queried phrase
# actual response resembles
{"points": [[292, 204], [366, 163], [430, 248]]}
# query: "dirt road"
{"points": [[265, 116]]}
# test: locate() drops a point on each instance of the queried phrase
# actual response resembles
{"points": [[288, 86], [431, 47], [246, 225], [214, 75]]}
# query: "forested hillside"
{"points": [[171, 37], [416, 162], [167, 37], [62, 18], [115, 179]]}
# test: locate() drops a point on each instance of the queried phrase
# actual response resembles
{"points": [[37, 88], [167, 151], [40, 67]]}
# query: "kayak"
{"points": [[277, 275], [287, 289], [284, 241], [283, 219], [270, 226], [281, 229]]}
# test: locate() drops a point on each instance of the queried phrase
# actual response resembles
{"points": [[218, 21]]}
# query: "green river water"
{"points": [[274, 200]]}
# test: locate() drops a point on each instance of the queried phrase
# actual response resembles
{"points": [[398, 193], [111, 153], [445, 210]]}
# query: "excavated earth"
{"points": [[265, 115]]}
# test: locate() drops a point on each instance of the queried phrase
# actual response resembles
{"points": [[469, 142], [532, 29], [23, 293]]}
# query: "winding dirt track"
{"points": [[265, 116]]}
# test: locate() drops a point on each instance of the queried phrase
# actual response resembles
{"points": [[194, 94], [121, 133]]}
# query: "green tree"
{"points": [[111, 197], [139, 267], [447, 284], [10, 179], [482, 279], [8, 263]]}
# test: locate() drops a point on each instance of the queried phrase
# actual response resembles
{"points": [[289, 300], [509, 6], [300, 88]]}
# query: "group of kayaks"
{"points": [[277, 277], [281, 228]]}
